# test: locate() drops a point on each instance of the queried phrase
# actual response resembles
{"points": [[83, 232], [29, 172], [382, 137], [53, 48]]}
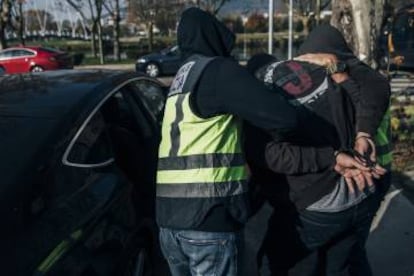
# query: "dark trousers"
{"points": [[318, 243]]}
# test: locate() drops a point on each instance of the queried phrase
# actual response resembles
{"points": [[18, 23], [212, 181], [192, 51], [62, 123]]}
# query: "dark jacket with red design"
{"points": [[298, 169]]}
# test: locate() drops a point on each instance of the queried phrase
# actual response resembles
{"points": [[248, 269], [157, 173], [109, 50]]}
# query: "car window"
{"points": [[5, 54], [117, 112], [19, 53], [92, 146], [175, 50], [153, 96], [50, 50]]}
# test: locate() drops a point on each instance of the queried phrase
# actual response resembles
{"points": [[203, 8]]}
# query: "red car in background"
{"points": [[33, 59]]}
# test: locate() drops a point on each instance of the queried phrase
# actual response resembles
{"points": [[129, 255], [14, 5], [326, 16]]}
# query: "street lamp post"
{"points": [[270, 46], [290, 29]]}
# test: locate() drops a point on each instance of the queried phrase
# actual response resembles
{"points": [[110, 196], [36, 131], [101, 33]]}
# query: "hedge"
{"points": [[132, 48]]}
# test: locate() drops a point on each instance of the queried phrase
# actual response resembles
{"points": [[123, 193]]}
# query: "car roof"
{"points": [[22, 47], [52, 93], [32, 47], [37, 109]]}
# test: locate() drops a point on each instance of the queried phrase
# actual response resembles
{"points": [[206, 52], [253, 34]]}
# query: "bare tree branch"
{"points": [[212, 6]]}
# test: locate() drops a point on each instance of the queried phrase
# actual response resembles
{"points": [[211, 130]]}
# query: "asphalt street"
{"points": [[390, 245]]}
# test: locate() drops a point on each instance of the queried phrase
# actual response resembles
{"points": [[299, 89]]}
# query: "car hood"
{"points": [[153, 56]]}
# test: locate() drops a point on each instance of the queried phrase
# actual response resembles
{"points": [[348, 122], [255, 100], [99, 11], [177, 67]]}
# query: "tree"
{"points": [[95, 9], [112, 7], [32, 20], [309, 11], [234, 23], [39, 20], [256, 23], [167, 19], [18, 22], [149, 11], [360, 22], [5, 17], [212, 6]]}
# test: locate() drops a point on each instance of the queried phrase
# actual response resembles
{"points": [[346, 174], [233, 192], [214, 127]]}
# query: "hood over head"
{"points": [[257, 64], [327, 39], [258, 61], [199, 32]]}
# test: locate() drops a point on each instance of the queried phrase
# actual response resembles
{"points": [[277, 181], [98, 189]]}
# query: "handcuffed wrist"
{"points": [[363, 135], [345, 151]]}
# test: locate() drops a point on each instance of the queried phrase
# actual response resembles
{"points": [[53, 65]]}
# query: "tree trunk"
{"points": [[93, 40], [21, 25], [150, 36], [116, 32], [73, 26], [5, 11], [3, 40], [360, 22], [100, 44]]}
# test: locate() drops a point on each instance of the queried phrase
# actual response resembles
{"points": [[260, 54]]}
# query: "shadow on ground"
{"points": [[391, 243]]}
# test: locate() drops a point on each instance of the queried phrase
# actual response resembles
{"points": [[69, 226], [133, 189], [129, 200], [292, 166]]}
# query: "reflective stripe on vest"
{"points": [[202, 190], [199, 157], [212, 160], [382, 141]]}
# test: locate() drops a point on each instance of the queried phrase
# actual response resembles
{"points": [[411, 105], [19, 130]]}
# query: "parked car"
{"points": [[167, 62], [33, 59], [78, 163]]}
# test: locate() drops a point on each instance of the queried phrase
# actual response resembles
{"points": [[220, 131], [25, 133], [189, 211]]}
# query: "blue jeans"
{"points": [[318, 243], [199, 253]]}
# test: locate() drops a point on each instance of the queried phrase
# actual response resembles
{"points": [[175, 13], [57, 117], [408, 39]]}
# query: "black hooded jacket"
{"points": [[372, 100], [298, 172], [225, 87], [308, 169]]}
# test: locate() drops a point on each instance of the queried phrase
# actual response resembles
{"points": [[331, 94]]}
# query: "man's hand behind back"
{"points": [[365, 153], [355, 173]]}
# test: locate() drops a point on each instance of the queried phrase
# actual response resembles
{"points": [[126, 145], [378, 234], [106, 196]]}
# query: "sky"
{"points": [[232, 6], [51, 7]]}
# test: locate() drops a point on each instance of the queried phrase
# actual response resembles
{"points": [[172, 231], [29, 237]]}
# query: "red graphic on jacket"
{"points": [[294, 87]]}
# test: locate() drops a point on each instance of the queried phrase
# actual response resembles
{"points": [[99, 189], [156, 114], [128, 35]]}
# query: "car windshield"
{"points": [[50, 50], [172, 49]]}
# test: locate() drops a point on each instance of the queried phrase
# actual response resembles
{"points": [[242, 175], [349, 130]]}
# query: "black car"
{"points": [[167, 62], [78, 162]]}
